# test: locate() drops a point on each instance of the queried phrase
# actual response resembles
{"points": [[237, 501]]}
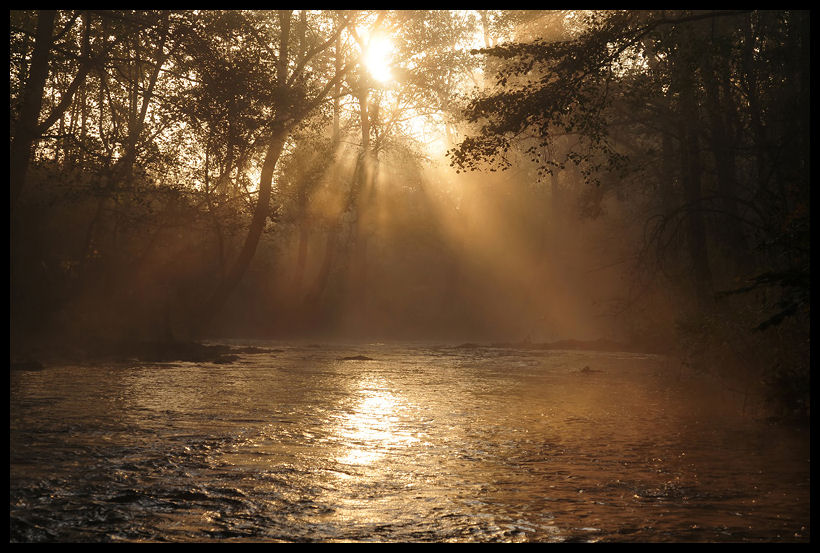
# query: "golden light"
{"points": [[377, 58], [371, 429], [428, 130]]}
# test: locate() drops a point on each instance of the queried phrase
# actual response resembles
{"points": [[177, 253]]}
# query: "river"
{"points": [[419, 443]]}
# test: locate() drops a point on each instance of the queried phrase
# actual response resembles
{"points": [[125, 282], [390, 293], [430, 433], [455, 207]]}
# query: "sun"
{"points": [[378, 57]]}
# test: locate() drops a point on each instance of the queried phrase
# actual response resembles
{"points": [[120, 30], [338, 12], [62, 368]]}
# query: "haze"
{"points": [[479, 175]]}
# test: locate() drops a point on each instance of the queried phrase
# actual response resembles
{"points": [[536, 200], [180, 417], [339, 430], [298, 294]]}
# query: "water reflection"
{"points": [[419, 445], [373, 427]]}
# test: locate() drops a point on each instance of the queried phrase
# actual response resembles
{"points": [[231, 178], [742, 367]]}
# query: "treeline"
{"points": [[180, 174], [700, 120], [184, 174]]}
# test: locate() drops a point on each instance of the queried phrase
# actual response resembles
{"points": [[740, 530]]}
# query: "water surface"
{"points": [[421, 443]]}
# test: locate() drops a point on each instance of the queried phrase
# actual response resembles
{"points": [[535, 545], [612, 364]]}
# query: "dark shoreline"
{"points": [[166, 351], [600, 344], [148, 352]]}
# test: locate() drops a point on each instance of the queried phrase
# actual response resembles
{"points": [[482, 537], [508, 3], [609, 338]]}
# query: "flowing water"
{"points": [[420, 443]]}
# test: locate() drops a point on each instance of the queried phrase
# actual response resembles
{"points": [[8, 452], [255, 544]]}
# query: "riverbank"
{"points": [[122, 351], [601, 344]]}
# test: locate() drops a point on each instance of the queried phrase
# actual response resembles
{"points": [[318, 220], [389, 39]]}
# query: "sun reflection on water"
{"points": [[372, 428]]}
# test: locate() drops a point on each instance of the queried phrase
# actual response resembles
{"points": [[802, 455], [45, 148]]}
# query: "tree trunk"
{"points": [[667, 184], [260, 215], [137, 120], [26, 128], [724, 158], [67, 98], [313, 297], [360, 191], [755, 111], [691, 173]]}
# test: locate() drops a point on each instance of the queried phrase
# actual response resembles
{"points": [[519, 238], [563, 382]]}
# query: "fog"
{"points": [[425, 275], [448, 256], [483, 176]]}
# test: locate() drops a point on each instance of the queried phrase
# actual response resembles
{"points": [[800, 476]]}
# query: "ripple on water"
{"points": [[417, 444]]}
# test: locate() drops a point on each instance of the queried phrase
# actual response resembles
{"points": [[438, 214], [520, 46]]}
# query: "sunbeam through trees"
{"points": [[630, 180]]}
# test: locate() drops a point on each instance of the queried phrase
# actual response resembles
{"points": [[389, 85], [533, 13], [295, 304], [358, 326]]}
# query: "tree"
{"points": [[297, 90], [27, 128], [707, 100]]}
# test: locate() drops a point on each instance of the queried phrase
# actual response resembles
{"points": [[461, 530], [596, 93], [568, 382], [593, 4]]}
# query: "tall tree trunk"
{"points": [[804, 76], [26, 127], [220, 242], [691, 174], [724, 158], [337, 95], [485, 28], [363, 181], [312, 300], [668, 171], [122, 175], [755, 110], [137, 117], [67, 97], [260, 215]]}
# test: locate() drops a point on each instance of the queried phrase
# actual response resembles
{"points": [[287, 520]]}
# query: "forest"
{"points": [[639, 177]]}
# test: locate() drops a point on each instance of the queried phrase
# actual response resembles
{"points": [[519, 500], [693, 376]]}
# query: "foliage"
{"points": [[166, 161], [153, 145], [686, 115]]}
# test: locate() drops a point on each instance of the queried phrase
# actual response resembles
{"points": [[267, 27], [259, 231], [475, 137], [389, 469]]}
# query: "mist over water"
{"points": [[410, 275], [474, 257]]}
